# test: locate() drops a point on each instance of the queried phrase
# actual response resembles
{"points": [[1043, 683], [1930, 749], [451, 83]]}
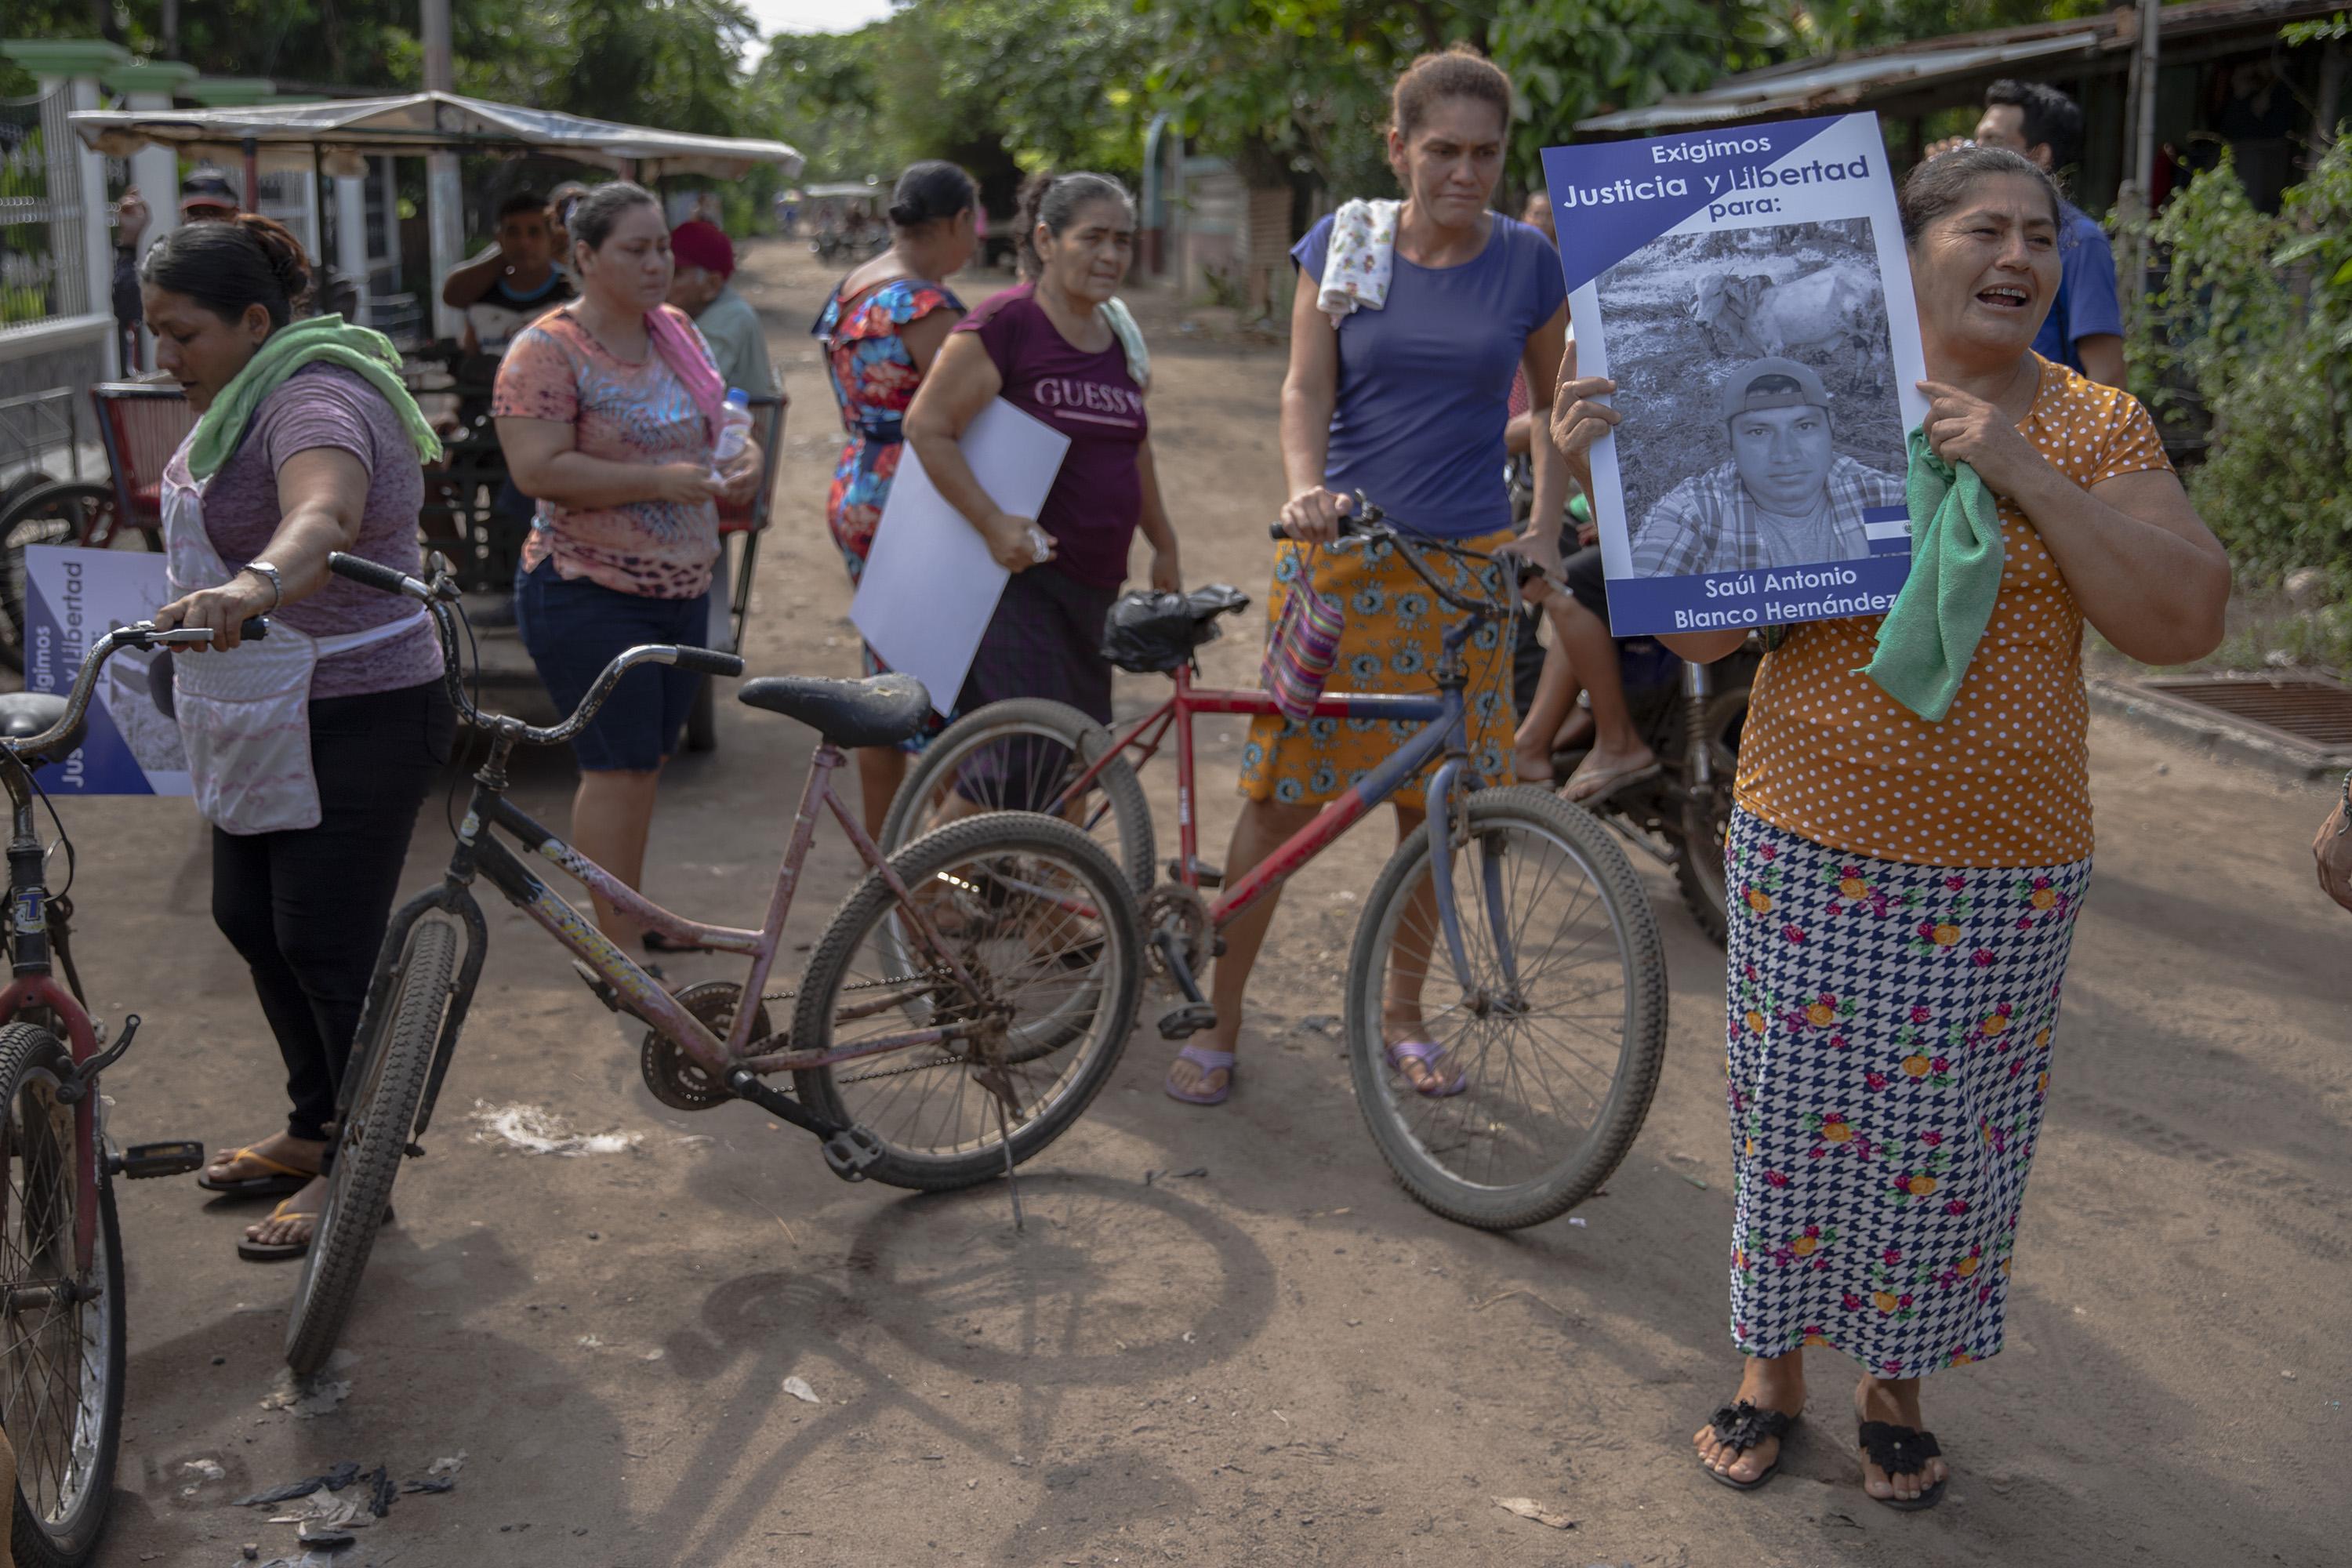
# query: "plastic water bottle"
{"points": [[734, 431]]}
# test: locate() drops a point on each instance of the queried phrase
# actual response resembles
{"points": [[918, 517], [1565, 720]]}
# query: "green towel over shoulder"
{"points": [[1928, 638], [328, 339]]}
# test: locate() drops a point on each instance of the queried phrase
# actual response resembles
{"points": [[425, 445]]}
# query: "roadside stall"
{"points": [[461, 517]]}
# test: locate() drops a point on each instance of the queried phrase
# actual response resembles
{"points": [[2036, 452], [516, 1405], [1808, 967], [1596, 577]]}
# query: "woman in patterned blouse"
{"points": [[1904, 892], [881, 329]]}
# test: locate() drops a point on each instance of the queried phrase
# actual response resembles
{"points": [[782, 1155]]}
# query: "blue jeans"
{"points": [[573, 628]]}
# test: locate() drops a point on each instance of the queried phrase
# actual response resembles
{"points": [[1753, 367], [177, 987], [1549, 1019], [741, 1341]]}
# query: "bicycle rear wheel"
{"points": [[61, 1364], [1045, 925], [372, 1142], [1018, 755], [1559, 1036]]}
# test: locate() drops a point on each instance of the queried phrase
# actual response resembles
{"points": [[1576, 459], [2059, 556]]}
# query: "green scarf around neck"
{"points": [[328, 339], [1928, 638]]}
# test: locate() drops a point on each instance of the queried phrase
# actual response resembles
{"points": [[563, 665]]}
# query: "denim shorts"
{"points": [[574, 628]]}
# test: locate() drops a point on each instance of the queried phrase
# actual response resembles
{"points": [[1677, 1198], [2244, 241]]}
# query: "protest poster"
{"points": [[1749, 292], [73, 597]]}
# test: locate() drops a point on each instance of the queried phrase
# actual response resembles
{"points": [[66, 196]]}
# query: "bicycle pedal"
{"points": [[849, 1153], [145, 1162], [1204, 874], [598, 984], [1190, 1019]]}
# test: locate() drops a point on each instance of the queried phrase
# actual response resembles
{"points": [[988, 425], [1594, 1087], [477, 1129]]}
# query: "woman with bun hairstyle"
{"points": [[609, 409], [882, 328], [1049, 348], [310, 750], [1409, 319]]}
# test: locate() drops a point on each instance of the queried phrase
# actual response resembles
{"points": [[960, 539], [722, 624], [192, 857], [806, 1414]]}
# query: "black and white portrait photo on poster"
{"points": [[1749, 294], [1755, 364]]}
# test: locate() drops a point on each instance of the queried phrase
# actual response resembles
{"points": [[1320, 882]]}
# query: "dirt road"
{"points": [[1283, 1360]]}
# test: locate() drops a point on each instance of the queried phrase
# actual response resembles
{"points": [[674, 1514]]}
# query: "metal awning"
{"points": [[1824, 85], [843, 188], [339, 133]]}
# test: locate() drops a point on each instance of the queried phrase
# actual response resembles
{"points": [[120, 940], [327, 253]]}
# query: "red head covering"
{"points": [[703, 245]]}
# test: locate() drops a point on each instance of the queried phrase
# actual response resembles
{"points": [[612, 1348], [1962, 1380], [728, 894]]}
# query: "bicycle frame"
{"points": [[631, 990]]}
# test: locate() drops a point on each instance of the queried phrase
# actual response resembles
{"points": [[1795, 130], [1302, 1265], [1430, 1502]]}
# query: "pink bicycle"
{"points": [[970, 997]]}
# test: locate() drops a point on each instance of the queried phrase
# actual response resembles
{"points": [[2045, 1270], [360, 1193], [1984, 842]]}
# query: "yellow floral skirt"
{"points": [[1392, 644]]}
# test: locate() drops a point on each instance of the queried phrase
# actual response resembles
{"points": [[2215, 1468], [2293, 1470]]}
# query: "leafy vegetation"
{"points": [[2250, 338]]}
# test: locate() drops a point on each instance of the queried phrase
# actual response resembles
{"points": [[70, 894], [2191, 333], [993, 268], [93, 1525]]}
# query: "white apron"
{"points": [[245, 716]]}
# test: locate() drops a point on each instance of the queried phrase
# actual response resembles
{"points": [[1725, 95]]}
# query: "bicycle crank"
{"points": [[675, 1079]]}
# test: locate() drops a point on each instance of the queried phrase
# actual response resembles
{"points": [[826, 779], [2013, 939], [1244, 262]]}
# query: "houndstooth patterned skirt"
{"points": [[1889, 1055]]}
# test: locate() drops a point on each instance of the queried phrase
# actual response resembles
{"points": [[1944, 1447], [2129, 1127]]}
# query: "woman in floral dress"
{"points": [[1904, 892], [882, 328]]}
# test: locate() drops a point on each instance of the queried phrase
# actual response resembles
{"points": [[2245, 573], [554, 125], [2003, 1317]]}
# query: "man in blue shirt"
{"points": [[2085, 327]]}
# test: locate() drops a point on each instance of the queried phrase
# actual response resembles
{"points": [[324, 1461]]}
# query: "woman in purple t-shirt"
{"points": [[296, 455], [1046, 348]]}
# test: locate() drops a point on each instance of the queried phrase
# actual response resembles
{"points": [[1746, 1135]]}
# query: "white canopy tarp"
{"points": [[340, 132]]}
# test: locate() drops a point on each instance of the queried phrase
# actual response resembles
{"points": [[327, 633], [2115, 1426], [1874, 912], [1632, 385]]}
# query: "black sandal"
{"points": [[1744, 1426], [1900, 1451], [661, 941]]}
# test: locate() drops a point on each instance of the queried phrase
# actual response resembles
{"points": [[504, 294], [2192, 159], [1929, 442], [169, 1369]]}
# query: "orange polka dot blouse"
{"points": [[2004, 780]]}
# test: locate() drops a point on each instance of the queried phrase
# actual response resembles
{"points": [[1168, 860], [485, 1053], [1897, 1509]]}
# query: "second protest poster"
{"points": [[1748, 292]]}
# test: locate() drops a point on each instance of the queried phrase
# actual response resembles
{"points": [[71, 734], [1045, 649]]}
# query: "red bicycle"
{"points": [[61, 1294], [1535, 960]]}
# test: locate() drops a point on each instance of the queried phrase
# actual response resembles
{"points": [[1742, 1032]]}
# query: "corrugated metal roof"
{"points": [[1857, 77], [1832, 82]]}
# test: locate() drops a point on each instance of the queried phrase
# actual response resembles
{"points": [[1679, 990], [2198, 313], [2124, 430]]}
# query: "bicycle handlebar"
{"points": [[137, 635], [1369, 523], [437, 597]]}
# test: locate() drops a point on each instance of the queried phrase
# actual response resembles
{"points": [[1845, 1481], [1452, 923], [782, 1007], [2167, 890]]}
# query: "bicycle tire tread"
{"points": [[364, 1178], [852, 924], [1637, 1080], [1081, 734], [23, 1046]]}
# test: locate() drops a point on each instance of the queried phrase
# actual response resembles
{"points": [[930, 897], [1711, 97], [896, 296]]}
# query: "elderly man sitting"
{"points": [[705, 260], [1785, 498]]}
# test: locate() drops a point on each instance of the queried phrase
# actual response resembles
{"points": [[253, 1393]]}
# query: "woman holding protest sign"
{"points": [[1912, 843], [1409, 319], [311, 751]]}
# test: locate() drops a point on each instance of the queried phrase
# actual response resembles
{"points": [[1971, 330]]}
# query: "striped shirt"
{"points": [[1707, 523]]}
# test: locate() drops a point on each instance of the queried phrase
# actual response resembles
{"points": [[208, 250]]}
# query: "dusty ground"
{"points": [[1283, 1361]]}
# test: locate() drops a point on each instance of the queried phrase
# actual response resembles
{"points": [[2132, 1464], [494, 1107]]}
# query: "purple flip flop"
{"points": [[1208, 1061], [1427, 1053]]}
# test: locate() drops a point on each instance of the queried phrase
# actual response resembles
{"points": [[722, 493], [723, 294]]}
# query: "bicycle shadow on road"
{"points": [[1108, 1277]]}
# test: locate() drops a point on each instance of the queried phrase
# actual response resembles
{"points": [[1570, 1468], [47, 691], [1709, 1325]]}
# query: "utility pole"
{"points": [[2135, 197], [444, 199]]}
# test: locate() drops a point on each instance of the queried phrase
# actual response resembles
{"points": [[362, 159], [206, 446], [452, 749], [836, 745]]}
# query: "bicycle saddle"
{"points": [[25, 714], [880, 711]]}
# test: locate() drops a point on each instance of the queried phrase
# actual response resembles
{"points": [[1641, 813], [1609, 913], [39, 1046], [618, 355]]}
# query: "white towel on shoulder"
{"points": [[1358, 263]]}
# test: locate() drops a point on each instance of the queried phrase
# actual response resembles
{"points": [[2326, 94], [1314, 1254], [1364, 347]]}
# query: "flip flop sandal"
{"points": [[1745, 1426], [1584, 788], [1428, 1053], [658, 941], [1900, 1451], [283, 1180], [1208, 1061], [285, 1251]]}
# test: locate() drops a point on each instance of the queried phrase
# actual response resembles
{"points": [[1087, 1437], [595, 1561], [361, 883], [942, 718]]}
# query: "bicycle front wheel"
{"points": [[1045, 927], [371, 1143], [1020, 755], [1554, 1028], [61, 1366]]}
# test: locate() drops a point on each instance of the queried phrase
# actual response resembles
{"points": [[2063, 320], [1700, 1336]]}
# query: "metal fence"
{"points": [[41, 273]]}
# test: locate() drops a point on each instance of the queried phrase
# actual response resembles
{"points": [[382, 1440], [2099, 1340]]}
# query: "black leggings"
{"points": [[307, 908]]}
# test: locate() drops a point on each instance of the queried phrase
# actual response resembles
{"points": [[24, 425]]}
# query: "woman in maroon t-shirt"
{"points": [[1046, 348]]}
